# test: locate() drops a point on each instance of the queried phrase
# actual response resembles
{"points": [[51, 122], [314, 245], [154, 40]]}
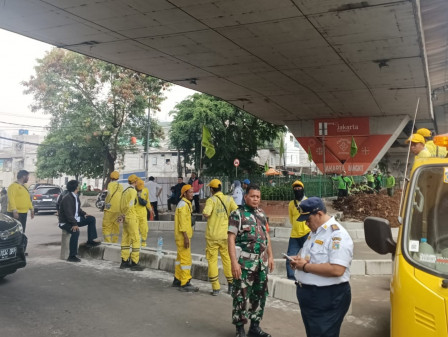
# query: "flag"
{"points": [[353, 148], [310, 155], [266, 166], [207, 142]]}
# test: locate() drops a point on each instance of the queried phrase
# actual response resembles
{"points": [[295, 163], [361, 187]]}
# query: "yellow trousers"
{"points": [[211, 254], [143, 228], [182, 270], [111, 227], [130, 240]]}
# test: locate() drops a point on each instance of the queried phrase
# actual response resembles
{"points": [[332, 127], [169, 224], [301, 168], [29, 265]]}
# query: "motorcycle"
{"points": [[100, 200]]}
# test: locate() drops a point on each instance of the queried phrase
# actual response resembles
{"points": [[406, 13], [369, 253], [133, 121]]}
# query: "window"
{"points": [[291, 138], [168, 161], [426, 238], [154, 160]]}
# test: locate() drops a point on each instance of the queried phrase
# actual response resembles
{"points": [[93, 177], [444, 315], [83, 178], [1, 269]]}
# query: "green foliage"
{"points": [[235, 133], [92, 104], [90, 193], [282, 192]]}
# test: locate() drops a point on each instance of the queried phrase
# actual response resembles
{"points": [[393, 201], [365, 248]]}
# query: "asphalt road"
{"points": [[51, 297]]}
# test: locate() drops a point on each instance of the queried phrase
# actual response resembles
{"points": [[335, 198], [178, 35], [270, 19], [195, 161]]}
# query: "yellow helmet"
{"points": [[215, 183], [184, 189], [416, 138], [115, 175], [424, 132], [132, 179], [297, 183], [140, 184]]}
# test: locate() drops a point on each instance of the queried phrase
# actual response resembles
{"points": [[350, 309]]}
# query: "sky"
{"points": [[17, 60]]}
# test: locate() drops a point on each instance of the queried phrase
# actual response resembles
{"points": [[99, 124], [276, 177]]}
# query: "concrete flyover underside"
{"points": [[285, 61]]}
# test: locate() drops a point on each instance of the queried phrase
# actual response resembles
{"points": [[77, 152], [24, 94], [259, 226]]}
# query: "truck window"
{"points": [[426, 240]]}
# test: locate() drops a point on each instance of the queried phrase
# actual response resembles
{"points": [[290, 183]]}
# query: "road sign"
{"points": [[236, 162]]}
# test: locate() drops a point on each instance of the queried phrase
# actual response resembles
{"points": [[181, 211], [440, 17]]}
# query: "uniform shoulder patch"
{"points": [[334, 227]]}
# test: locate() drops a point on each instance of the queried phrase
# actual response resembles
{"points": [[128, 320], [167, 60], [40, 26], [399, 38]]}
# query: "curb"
{"points": [[279, 287], [355, 229]]}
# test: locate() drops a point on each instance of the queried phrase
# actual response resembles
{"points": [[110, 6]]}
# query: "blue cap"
{"points": [[310, 206], [246, 181]]}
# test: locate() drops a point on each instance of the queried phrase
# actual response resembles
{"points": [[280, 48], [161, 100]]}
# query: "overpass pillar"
{"points": [[330, 141]]}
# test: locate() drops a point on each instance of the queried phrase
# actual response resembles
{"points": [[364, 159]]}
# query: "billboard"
{"points": [[334, 136]]}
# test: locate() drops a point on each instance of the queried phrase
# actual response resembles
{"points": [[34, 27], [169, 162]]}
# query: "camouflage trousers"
{"points": [[252, 286]]}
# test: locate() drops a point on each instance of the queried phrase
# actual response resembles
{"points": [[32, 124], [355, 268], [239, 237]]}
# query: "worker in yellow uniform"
{"points": [[111, 227], [299, 231], [19, 200], [217, 210], [183, 232], [142, 208], [436, 151], [130, 239], [418, 146]]}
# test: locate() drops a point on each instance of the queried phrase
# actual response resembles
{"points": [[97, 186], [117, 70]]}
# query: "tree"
{"points": [[95, 108], [236, 134]]}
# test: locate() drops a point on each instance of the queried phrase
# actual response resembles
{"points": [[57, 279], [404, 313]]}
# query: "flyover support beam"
{"points": [[335, 139]]}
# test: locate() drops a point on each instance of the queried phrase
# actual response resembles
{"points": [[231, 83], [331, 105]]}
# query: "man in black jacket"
{"points": [[71, 217]]}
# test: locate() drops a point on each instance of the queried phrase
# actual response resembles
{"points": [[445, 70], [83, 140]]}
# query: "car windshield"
{"points": [[426, 237], [48, 190]]}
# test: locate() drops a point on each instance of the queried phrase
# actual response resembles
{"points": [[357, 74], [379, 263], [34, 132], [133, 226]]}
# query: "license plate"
{"points": [[47, 199], [8, 253]]}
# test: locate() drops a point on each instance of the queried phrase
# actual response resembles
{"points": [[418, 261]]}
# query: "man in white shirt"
{"points": [[154, 192], [323, 271]]}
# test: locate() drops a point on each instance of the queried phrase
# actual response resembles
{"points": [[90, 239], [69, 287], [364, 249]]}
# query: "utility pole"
{"points": [[148, 131], [323, 131]]}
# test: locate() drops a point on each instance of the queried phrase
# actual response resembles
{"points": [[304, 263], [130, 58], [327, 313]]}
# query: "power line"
{"points": [[27, 125]]}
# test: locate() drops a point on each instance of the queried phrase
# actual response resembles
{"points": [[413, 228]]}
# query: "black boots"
{"points": [[125, 264], [176, 283], [240, 331], [255, 330]]}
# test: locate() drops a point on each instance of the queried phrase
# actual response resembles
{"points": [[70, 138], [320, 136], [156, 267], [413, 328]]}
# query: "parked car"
{"points": [[12, 245], [32, 187], [44, 198]]}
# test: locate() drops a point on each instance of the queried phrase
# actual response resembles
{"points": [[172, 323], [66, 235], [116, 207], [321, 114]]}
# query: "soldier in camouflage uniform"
{"points": [[251, 256]]}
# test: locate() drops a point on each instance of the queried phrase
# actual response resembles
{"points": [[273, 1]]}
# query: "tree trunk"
{"points": [[110, 167], [179, 164]]}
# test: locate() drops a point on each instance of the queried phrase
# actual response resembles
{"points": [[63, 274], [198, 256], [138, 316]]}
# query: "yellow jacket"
{"points": [[436, 151], [182, 220], [141, 210], [19, 198], [127, 202], [299, 228], [423, 154], [114, 191], [218, 221]]}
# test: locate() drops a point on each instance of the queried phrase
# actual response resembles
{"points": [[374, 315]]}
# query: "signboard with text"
{"points": [[336, 134], [358, 126]]}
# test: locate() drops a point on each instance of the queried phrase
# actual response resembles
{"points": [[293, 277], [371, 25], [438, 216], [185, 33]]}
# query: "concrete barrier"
{"points": [[91, 252], [285, 290], [65, 244], [112, 252], [358, 267], [282, 233], [279, 287], [378, 267]]}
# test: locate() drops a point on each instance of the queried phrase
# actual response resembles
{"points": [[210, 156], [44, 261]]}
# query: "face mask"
{"points": [[298, 194]]}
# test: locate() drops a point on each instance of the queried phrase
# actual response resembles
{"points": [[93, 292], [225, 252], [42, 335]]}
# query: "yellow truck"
{"points": [[419, 283]]}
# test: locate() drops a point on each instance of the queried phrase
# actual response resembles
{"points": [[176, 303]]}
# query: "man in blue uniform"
{"points": [[322, 271]]}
